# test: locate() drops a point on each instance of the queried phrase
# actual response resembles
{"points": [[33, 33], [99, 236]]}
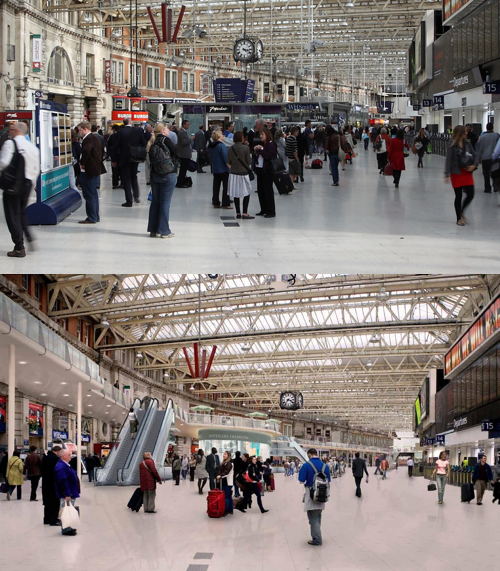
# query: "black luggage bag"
{"points": [[467, 492], [283, 182], [135, 502]]}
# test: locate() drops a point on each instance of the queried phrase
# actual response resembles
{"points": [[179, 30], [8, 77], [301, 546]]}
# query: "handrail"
{"points": [[164, 434], [234, 421]]}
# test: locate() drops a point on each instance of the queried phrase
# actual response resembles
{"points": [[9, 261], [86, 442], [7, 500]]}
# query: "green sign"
{"points": [[54, 182], [231, 434]]}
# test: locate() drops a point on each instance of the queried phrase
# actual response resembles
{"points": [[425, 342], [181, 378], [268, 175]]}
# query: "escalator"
{"points": [[127, 450], [285, 446]]}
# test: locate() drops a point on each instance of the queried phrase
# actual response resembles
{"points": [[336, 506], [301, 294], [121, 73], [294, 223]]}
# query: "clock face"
{"points": [[244, 50], [259, 49], [300, 400], [287, 400]]}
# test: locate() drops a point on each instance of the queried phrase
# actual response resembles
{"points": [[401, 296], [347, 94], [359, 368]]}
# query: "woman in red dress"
{"points": [[396, 150], [458, 168]]}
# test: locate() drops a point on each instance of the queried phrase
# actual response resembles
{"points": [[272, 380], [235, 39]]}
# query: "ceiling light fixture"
{"points": [[64, 383], [191, 388], [22, 362], [37, 382], [43, 394], [139, 355], [108, 406], [65, 395], [105, 322]]}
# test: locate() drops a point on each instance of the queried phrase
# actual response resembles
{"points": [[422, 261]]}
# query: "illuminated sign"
{"points": [[418, 412], [474, 337], [452, 7]]}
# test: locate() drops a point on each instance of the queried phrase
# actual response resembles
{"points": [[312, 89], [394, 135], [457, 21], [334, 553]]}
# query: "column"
{"points": [[11, 406], [49, 424], [75, 108], [79, 431]]}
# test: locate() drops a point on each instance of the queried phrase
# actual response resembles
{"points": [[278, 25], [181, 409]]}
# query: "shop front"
{"points": [[250, 442]]}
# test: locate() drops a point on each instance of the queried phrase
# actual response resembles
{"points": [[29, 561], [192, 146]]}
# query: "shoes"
{"points": [[335, 184], [171, 235], [54, 524], [263, 511], [148, 184], [461, 222], [301, 179], [216, 205], [17, 254], [488, 191], [269, 215], [127, 204], [33, 500], [152, 234], [86, 221], [238, 216], [479, 503], [312, 542], [137, 200], [182, 186], [259, 214], [227, 207], [247, 217]]}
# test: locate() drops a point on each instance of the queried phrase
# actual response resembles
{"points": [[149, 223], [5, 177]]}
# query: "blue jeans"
{"points": [[162, 189], [334, 165], [441, 483], [89, 190], [229, 498]]}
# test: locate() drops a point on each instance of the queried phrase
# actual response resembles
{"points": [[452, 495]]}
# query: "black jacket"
{"points": [[358, 467], [126, 138], [452, 164], [49, 462], [212, 465], [92, 155], [254, 472], [239, 465]]}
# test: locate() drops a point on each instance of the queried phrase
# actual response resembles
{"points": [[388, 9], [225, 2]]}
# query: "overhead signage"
{"points": [[219, 109], [438, 99], [428, 441], [59, 435], [38, 94], [233, 90], [459, 422], [385, 108], [491, 87], [489, 425], [416, 107], [107, 75], [3, 413], [302, 106], [231, 434], [474, 337], [36, 54], [85, 438], [440, 439], [426, 102]]}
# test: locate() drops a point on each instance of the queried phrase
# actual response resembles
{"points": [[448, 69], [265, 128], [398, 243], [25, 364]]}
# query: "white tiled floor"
{"points": [[396, 525], [364, 225]]}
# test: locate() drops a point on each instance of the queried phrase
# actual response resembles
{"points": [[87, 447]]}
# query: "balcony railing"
{"points": [[229, 421]]}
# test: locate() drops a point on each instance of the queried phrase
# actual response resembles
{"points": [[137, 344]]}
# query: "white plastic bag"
{"points": [[69, 517]]}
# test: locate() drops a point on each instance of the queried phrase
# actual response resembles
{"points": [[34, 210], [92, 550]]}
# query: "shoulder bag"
{"points": [[12, 179], [251, 174]]}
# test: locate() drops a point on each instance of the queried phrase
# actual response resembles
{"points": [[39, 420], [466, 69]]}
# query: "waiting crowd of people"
{"points": [[272, 156]]}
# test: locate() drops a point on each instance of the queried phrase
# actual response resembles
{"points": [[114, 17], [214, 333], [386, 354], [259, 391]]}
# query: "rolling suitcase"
{"points": [[216, 503], [283, 183], [317, 164], [135, 502], [271, 480], [467, 492]]}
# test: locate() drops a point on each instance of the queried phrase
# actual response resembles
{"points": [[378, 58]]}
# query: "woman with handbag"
{"points": [[459, 167], [381, 146], [252, 477], [420, 146], [398, 150], [441, 472], [163, 164], [240, 175], [14, 475], [264, 154], [200, 472]]}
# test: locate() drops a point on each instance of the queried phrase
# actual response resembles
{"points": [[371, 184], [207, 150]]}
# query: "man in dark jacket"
{"points": [[33, 470], [212, 467], [183, 151], [50, 500], [358, 468], [128, 137], [481, 476], [91, 168], [238, 467], [148, 476], [200, 145], [112, 149], [67, 485]]}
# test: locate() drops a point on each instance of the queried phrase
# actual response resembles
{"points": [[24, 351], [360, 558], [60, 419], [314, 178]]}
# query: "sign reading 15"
{"points": [[487, 425], [491, 87]]}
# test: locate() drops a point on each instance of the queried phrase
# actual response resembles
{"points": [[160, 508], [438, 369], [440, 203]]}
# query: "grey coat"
{"points": [[200, 470], [241, 151], [183, 148], [485, 146], [452, 164]]}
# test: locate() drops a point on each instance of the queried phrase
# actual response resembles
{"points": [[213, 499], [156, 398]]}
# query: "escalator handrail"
{"points": [[143, 429], [163, 435]]}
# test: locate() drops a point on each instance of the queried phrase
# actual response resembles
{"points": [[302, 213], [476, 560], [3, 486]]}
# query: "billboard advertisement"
{"points": [[35, 419], [3, 413], [474, 337], [452, 7]]}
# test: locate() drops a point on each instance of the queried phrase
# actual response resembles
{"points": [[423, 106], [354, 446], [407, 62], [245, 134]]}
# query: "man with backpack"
{"points": [[315, 475]]}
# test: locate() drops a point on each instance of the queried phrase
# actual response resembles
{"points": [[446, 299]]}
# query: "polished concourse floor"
{"points": [[364, 225], [397, 524]]}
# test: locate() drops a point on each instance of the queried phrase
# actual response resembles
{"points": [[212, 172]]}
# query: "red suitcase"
{"points": [[216, 503], [271, 480]]}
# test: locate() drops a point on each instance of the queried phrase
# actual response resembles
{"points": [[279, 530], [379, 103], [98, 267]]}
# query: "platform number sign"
{"points": [[487, 425], [492, 87]]}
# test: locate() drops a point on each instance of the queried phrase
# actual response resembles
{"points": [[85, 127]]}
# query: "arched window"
{"points": [[60, 68]]}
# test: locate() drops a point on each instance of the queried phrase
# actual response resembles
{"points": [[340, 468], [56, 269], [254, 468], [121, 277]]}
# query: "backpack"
{"points": [[12, 178], [317, 164], [160, 159], [320, 490]]}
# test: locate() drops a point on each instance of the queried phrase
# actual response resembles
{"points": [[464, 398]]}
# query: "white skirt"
{"points": [[239, 185]]}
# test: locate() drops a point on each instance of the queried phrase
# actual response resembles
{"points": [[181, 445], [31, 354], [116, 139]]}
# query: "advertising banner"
{"points": [[59, 435], [476, 335], [36, 57], [35, 419], [3, 413], [107, 75], [452, 7], [55, 181]]}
